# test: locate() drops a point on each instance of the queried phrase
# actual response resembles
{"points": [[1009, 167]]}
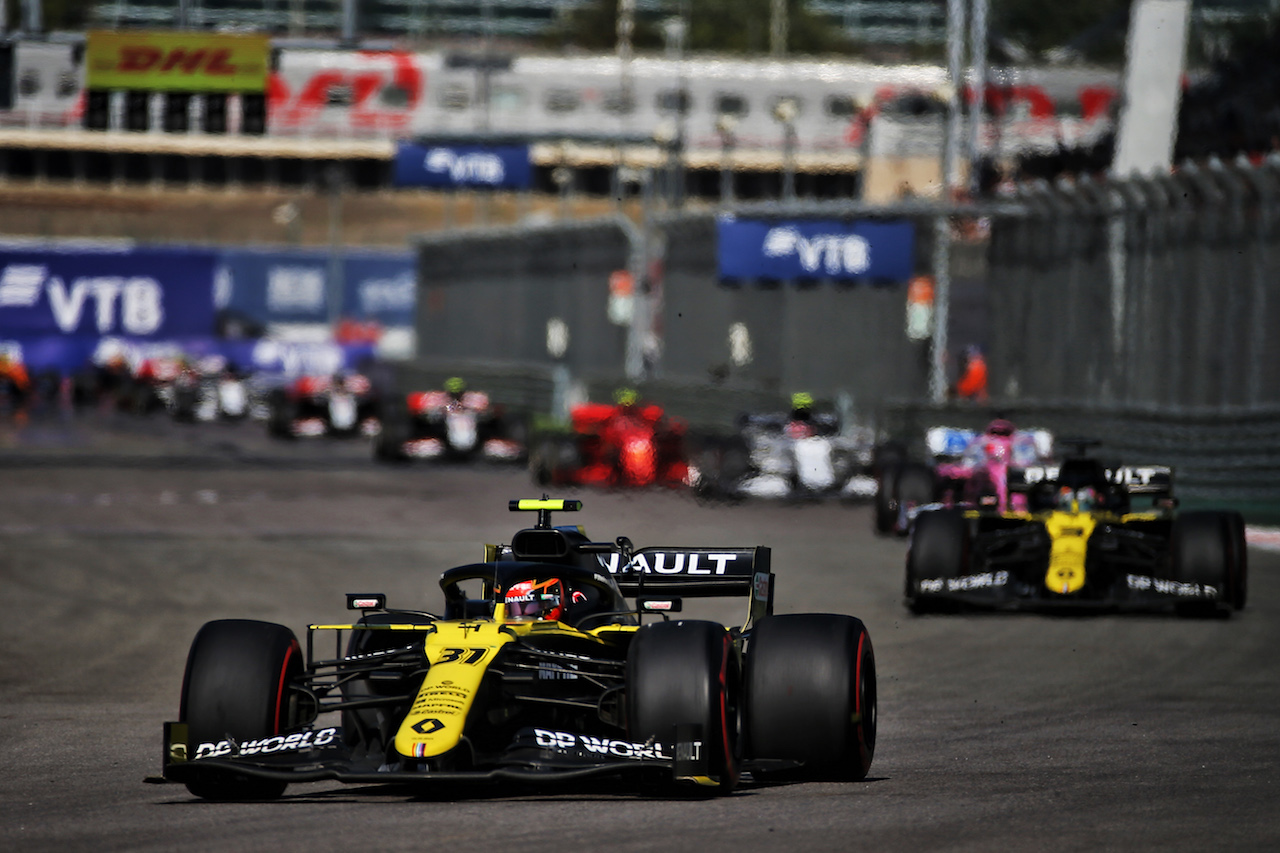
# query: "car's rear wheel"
{"points": [[886, 504], [281, 413], [1238, 574], [556, 462], [915, 488], [1202, 555], [542, 461], [681, 674], [902, 488], [723, 463], [389, 444], [236, 686], [810, 695], [939, 550]]}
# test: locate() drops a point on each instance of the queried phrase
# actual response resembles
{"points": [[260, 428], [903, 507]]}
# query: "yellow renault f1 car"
{"points": [[540, 669], [1081, 544]]}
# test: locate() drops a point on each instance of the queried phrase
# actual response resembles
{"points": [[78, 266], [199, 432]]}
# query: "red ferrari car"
{"points": [[627, 443]]}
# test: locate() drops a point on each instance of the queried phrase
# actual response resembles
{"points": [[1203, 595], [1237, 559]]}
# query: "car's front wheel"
{"points": [[683, 674], [938, 551], [236, 686], [1202, 555]]}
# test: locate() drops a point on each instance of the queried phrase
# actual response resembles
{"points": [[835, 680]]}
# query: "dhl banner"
{"points": [[177, 62]]}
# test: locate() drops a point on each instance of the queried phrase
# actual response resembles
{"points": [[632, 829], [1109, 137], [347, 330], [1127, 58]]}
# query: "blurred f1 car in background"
{"points": [[148, 386], [966, 468], [453, 424], [626, 444], [539, 671], [15, 384], [210, 389], [805, 452], [1080, 543], [344, 404]]}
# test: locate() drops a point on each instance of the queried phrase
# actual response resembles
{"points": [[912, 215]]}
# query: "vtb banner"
{"points": [[177, 62], [816, 249], [489, 166], [140, 293], [293, 286]]}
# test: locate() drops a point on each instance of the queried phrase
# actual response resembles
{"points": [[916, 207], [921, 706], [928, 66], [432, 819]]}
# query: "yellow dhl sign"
{"points": [[177, 62]]}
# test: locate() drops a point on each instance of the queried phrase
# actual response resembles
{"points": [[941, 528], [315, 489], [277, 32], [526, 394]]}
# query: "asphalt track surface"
{"points": [[119, 538]]}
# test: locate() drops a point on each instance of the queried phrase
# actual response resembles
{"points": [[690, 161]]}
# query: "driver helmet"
{"points": [[534, 600], [1000, 426], [1086, 498], [455, 385], [626, 397], [801, 406]]}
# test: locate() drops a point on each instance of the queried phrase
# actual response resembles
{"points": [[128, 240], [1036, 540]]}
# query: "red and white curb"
{"points": [[1267, 538]]}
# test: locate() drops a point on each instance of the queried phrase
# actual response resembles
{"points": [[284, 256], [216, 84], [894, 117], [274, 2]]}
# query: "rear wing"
{"points": [[655, 577], [1153, 480], [696, 573]]}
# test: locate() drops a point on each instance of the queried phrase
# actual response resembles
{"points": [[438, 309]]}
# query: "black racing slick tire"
{"points": [[915, 487], [938, 550], [886, 502], [236, 686], [542, 461], [810, 696], [1238, 561], [396, 429], [685, 673], [1202, 555], [902, 487], [281, 412]]}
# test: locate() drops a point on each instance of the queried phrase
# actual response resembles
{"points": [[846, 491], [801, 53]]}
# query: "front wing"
{"points": [[535, 755], [1010, 566], [1002, 589]]}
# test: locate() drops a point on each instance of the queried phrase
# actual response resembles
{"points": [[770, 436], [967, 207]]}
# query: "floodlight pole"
{"points": [[938, 385], [335, 180], [348, 22], [32, 20], [978, 51]]}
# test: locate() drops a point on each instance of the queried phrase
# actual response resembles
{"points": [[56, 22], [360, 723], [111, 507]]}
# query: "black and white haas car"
{"points": [[454, 424], [344, 404], [211, 389], [556, 659]]}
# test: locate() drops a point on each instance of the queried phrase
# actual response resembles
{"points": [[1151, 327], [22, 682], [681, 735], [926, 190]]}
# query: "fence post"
{"points": [[1094, 290], [1059, 320], [1234, 259], [1263, 182], [1206, 307], [1135, 291], [1026, 283], [1173, 270]]}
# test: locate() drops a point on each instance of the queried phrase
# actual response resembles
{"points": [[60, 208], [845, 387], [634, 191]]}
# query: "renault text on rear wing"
{"points": [[696, 572], [689, 571], [1154, 480]]}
